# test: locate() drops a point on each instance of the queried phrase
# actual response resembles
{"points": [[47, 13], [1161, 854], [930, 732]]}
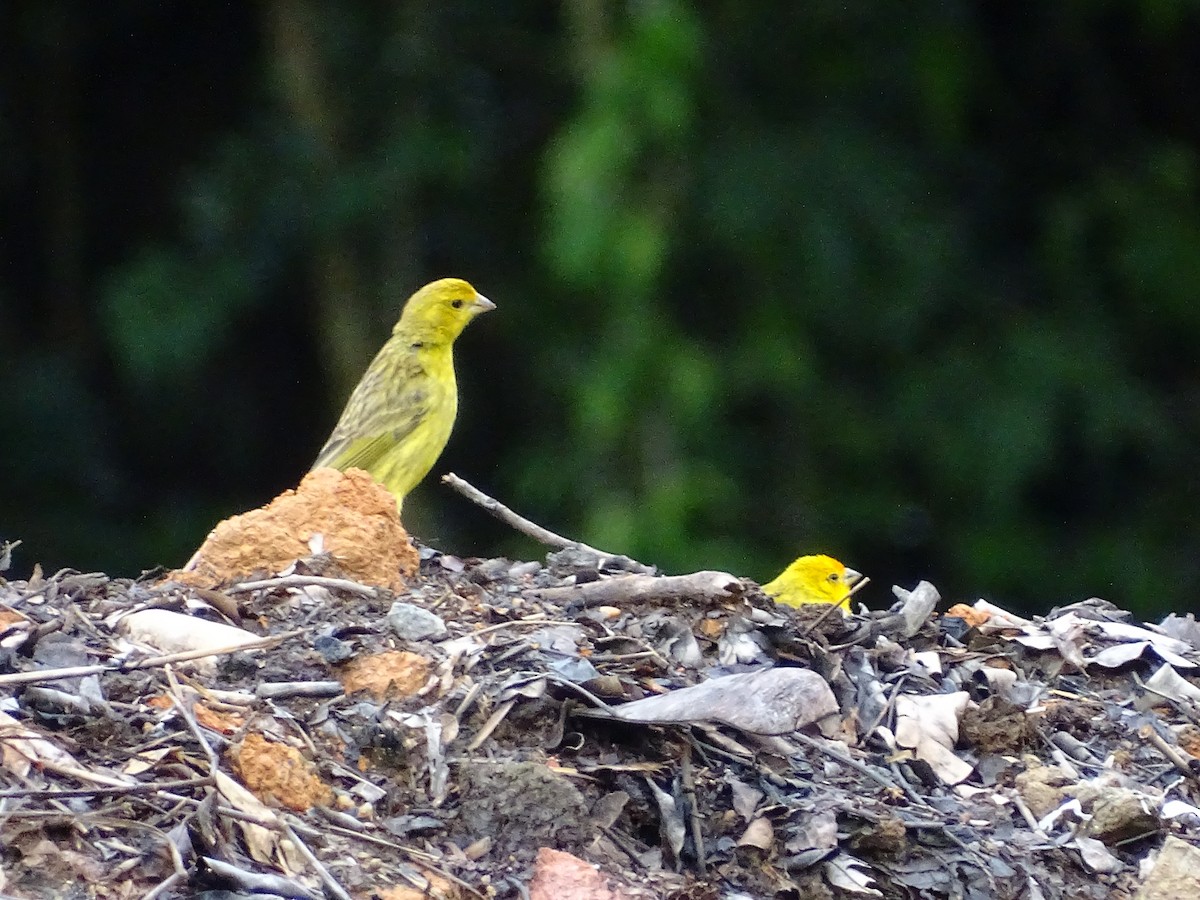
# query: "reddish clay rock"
{"points": [[393, 675], [561, 876], [345, 514], [279, 774]]}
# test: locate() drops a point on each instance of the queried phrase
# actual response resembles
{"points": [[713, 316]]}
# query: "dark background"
{"points": [[913, 284]]}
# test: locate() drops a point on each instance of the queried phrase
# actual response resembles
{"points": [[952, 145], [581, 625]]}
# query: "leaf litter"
{"points": [[581, 727]]}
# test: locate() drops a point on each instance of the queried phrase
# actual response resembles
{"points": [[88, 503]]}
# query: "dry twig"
{"points": [[709, 586], [147, 787], [338, 584], [858, 585], [688, 784], [527, 527]]}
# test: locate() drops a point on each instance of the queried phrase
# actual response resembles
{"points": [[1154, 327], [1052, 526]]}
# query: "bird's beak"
{"points": [[483, 303], [852, 577]]}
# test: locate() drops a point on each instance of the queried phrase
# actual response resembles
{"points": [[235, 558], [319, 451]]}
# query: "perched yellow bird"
{"points": [[813, 579], [399, 416]]}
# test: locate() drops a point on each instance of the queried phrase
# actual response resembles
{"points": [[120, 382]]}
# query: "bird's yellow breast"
{"points": [[408, 461]]}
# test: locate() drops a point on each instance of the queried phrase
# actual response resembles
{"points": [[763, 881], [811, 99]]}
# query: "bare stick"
{"points": [[491, 724], [519, 622], [511, 519], [339, 584], [327, 879], [713, 586], [176, 695], [862, 582], [847, 760], [523, 525], [1147, 733], [689, 794], [144, 787]]}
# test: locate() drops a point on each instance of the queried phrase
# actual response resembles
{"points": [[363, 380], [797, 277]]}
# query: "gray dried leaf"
{"points": [[767, 701]]}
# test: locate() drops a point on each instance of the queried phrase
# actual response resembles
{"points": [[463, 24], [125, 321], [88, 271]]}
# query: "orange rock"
{"points": [[1189, 740], [972, 616], [438, 888], [9, 616], [217, 720], [353, 516], [712, 628], [393, 675], [277, 773], [561, 876]]}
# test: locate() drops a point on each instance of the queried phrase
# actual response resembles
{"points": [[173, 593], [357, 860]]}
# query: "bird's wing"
{"points": [[377, 417]]}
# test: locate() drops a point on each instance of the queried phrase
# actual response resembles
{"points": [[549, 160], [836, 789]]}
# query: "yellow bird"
{"points": [[813, 579], [399, 416]]}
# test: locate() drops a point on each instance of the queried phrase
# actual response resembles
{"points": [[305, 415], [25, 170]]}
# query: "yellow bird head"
{"points": [[813, 579], [438, 312]]}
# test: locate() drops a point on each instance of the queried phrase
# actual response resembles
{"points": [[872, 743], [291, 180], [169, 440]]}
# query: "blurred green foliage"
{"points": [[914, 286]]}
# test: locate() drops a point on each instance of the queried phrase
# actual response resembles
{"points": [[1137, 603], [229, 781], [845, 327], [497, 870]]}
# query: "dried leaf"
{"points": [[929, 725], [759, 834], [262, 843], [845, 872], [768, 701]]}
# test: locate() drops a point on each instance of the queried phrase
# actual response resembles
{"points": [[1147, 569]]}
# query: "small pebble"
{"points": [[414, 623]]}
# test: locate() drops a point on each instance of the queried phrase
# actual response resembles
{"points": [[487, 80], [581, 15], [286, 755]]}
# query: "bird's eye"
{"points": [[457, 304], [833, 576]]}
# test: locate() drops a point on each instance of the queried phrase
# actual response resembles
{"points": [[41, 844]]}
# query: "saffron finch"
{"points": [[813, 579], [399, 416]]}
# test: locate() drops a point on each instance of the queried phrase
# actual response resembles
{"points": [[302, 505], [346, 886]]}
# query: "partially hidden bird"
{"points": [[400, 414], [813, 579]]}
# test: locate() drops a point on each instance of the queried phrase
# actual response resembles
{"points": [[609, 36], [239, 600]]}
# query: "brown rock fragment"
{"points": [[438, 887], [561, 876], [277, 773], [220, 721], [9, 616], [1041, 787], [1176, 872], [887, 835], [1189, 740], [973, 617], [354, 516], [995, 726], [1119, 814], [393, 675]]}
